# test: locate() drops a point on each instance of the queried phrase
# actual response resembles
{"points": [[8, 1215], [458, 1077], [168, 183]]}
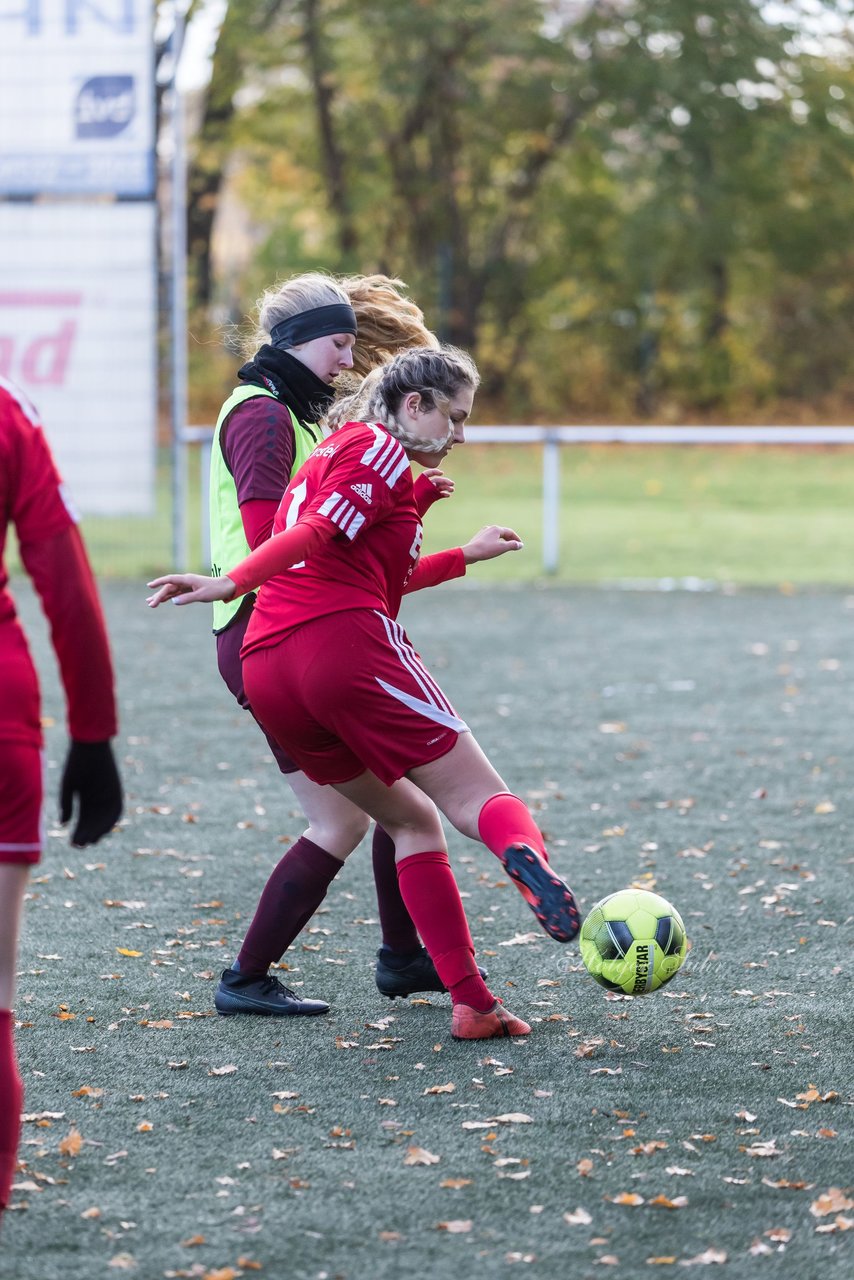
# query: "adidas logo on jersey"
{"points": [[364, 491]]}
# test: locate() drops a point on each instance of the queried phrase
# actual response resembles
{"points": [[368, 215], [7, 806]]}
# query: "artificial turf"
{"points": [[694, 743]]}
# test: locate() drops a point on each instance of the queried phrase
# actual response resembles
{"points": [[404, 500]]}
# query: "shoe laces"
{"points": [[270, 984]]}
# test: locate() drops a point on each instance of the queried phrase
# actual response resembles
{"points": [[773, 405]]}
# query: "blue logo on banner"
{"points": [[104, 107]]}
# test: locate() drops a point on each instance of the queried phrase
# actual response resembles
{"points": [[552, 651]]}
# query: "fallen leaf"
{"points": [[71, 1144], [418, 1155], [193, 1242], [441, 1088], [123, 1262], [587, 1048], [647, 1148], [705, 1259], [125, 951], [455, 1183], [663, 1202], [584, 1167], [456, 1226], [761, 1150], [86, 1091], [812, 1094], [840, 1223], [578, 1218], [665, 1260], [389, 1237], [831, 1201], [93, 1212], [222, 1071], [630, 1198], [144, 1127]]}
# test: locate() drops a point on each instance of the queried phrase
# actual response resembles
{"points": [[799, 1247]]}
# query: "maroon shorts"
{"points": [[21, 793], [228, 646], [348, 692]]}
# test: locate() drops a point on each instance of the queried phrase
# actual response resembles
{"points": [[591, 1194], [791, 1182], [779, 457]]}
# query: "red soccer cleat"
{"points": [[468, 1024]]}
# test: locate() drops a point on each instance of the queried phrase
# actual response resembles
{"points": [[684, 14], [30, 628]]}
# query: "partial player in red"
{"points": [[34, 502], [312, 330], [335, 680]]}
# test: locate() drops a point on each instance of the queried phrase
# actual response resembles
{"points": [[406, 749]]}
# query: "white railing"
{"points": [[552, 438]]}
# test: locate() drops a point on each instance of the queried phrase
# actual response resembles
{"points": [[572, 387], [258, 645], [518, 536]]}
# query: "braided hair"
{"points": [[436, 374]]}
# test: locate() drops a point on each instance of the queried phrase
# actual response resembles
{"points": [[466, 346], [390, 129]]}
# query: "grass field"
{"points": [[753, 515], [697, 743]]}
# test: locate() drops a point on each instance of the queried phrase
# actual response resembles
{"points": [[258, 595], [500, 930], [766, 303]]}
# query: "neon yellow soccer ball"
{"points": [[633, 941]]}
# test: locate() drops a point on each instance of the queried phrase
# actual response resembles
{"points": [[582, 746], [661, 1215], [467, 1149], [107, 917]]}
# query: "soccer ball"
{"points": [[633, 941]]}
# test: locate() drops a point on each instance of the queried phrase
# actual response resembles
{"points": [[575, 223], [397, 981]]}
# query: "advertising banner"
{"points": [[76, 97], [78, 311]]}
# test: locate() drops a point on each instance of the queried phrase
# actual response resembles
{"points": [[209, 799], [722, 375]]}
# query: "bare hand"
{"points": [[443, 484], [491, 541], [187, 588]]}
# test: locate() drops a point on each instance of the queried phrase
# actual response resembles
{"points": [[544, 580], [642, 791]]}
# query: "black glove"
{"points": [[90, 776]]}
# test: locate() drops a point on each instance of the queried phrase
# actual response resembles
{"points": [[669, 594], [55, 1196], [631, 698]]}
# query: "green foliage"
{"points": [[638, 210]]}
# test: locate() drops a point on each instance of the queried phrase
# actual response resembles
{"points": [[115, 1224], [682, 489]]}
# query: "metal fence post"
{"points": [[551, 501]]}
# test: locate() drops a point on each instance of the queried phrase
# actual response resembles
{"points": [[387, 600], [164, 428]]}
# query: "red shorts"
{"points": [[347, 692], [21, 792]]}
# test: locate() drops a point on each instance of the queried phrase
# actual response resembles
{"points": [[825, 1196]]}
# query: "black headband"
{"points": [[338, 317]]}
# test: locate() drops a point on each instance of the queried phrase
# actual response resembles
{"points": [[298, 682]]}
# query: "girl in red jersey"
{"points": [[32, 499], [311, 330], [334, 678]]}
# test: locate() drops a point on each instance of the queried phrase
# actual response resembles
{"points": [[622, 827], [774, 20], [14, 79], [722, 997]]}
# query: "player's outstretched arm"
{"points": [[274, 556], [489, 542], [188, 588]]}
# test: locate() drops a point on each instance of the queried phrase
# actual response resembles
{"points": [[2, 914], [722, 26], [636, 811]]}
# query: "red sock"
{"points": [[11, 1105], [430, 892], [398, 931], [506, 820], [290, 898]]}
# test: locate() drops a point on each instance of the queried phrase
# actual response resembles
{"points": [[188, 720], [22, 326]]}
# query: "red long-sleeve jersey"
{"points": [[34, 501]]}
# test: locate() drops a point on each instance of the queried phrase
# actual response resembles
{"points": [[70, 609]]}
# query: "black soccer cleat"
{"points": [[402, 976], [549, 897], [266, 996]]}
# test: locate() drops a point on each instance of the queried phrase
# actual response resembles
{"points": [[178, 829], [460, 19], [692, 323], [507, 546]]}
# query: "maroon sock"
{"points": [[398, 932], [11, 1106], [290, 898], [430, 892], [506, 820]]}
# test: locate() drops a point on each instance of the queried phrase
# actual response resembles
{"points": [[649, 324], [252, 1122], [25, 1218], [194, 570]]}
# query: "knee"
{"points": [[342, 836]]}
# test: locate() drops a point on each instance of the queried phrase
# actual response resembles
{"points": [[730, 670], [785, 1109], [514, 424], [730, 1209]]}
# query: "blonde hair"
{"points": [[437, 374], [387, 321]]}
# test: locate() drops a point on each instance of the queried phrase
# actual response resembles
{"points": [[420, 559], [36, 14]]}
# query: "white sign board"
{"points": [[78, 312], [76, 97]]}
